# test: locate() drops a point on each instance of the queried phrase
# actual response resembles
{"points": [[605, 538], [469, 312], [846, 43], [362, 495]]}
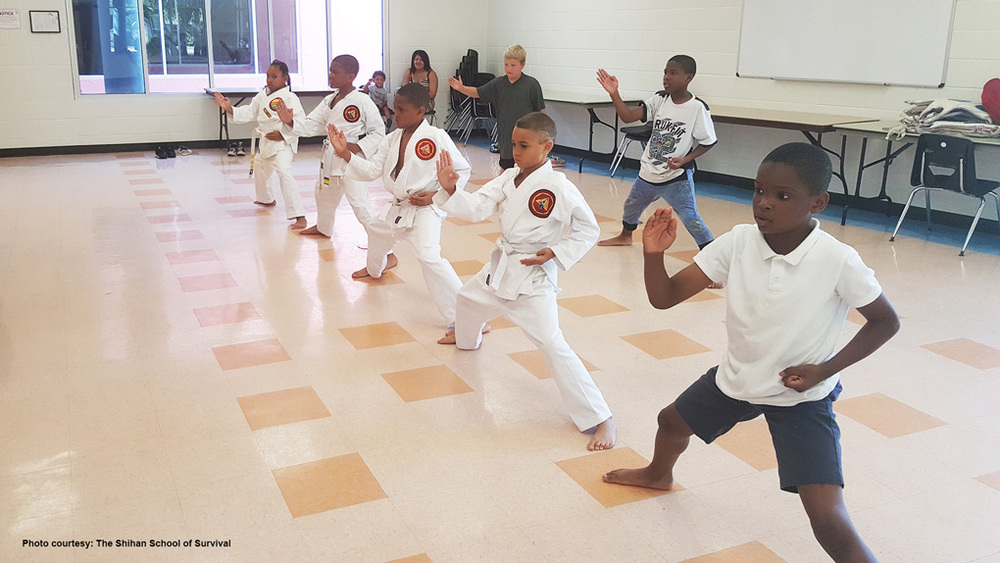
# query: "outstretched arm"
{"points": [[224, 103], [881, 324], [662, 290], [456, 84], [610, 85]]}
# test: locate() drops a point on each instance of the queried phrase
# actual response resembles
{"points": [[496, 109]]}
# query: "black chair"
{"points": [[947, 163], [639, 133]]}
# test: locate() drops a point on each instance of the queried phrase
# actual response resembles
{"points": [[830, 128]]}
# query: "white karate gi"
{"points": [[274, 155], [533, 216], [360, 121], [398, 220]]}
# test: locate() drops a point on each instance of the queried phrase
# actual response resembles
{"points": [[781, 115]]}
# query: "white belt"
{"points": [[500, 258]]}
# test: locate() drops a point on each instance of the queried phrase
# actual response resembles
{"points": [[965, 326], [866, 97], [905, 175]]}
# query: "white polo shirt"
{"points": [[783, 310]]}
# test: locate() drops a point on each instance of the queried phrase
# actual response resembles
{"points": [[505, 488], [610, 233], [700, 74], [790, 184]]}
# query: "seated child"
{"points": [[380, 95], [277, 148], [405, 160], [790, 286], [535, 205], [358, 119]]}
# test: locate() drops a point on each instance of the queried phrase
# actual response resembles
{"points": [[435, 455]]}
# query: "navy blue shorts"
{"points": [[806, 436]]}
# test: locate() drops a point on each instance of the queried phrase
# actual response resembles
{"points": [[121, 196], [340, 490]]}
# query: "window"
{"points": [[190, 45]]}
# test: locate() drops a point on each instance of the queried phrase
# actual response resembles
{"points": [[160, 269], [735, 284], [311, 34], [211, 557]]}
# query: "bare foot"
{"points": [[624, 239], [311, 232], [300, 223], [638, 478], [604, 436], [362, 273], [272, 204], [449, 337], [390, 261]]}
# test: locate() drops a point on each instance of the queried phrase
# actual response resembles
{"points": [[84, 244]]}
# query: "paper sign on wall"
{"points": [[10, 19]]}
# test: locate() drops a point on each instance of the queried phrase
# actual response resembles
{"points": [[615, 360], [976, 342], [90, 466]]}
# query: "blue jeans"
{"points": [[679, 194]]}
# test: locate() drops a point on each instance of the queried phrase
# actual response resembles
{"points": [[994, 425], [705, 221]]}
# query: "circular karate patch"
{"points": [[352, 114], [274, 104], [426, 149], [541, 203]]}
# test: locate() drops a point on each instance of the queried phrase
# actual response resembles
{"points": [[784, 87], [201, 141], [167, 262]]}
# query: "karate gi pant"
{"points": [[538, 317], [328, 198], [280, 162], [425, 238]]}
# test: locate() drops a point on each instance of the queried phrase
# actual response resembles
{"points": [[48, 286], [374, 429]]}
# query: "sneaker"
{"points": [[184, 151], [239, 149], [495, 148], [557, 162], [171, 153], [161, 153], [232, 149]]}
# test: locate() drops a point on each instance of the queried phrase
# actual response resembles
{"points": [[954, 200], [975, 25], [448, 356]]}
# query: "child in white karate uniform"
{"points": [[358, 118], [536, 206], [406, 161], [277, 148]]}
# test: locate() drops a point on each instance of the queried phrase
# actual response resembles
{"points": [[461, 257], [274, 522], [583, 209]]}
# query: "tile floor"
{"points": [[176, 365]]}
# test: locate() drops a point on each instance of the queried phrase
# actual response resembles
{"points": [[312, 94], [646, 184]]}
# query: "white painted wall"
{"points": [[43, 111], [566, 41]]}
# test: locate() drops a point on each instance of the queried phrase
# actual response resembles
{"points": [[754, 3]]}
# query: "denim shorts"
{"points": [[806, 436]]}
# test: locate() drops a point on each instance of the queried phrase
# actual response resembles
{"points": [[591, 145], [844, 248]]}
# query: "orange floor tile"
{"points": [[665, 344], [374, 336], [226, 314], [282, 407], [886, 415], [588, 470], [250, 354], [327, 484], [426, 383]]}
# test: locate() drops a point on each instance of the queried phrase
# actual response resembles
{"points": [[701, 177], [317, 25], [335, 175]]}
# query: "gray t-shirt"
{"points": [[511, 102]]}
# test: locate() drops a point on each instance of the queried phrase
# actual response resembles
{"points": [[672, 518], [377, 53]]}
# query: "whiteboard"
{"points": [[902, 42]]}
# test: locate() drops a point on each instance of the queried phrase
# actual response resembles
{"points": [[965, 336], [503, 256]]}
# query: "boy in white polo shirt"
{"points": [[789, 288]]}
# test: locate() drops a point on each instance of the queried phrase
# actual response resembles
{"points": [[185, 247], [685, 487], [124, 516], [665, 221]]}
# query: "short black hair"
{"points": [[280, 65], [810, 163], [378, 73], [686, 63], [415, 93], [539, 123], [349, 63]]}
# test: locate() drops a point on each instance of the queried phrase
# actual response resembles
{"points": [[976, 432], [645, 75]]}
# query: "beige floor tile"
{"points": [[588, 470], [534, 362], [192, 256], [139, 172], [753, 552], [605, 219], [967, 352], [990, 479], [703, 295], [419, 558], [235, 199], [225, 314], [492, 237], [751, 442], [143, 181], [161, 219], [250, 354], [207, 282], [464, 223], [327, 484], [159, 204], [886, 415], [663, 344], [175, 236], [426, 383], [501, 322], [162, 191], [855, 317], [466, 267], [376, 335], [282, 407], [242, 181], [248, 212], [591, 305], [127, 164]]}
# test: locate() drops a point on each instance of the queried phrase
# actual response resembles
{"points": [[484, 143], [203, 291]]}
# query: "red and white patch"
{"points": [[352, 114], [541, 203], [426, 149], [274, 103]]}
